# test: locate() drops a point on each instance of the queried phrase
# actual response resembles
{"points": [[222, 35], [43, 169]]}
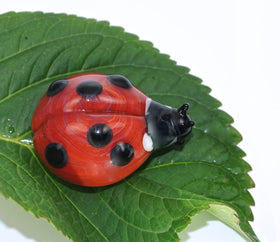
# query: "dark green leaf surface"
{"points": [[157, 201]]}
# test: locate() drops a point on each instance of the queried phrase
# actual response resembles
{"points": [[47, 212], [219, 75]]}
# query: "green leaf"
{"points": [[158, 200]]}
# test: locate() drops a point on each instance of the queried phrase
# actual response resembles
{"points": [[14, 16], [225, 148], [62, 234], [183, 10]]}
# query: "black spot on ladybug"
{"points": [[56, 87], [99, 135], [89, 89], [122, 154], [120, 81], [56, 155]]}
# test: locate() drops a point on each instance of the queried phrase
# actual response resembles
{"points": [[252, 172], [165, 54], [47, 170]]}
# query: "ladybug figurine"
{"points": [[94, 129]]}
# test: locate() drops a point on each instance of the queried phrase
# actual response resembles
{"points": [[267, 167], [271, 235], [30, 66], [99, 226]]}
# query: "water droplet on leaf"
{"points": [[11, 130]]}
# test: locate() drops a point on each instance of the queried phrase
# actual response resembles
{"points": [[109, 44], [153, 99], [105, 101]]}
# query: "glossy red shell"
{"points": [[66, 117]]}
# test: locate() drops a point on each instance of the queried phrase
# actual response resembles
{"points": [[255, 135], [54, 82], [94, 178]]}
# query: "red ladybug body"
{"points": [[94, 129]]}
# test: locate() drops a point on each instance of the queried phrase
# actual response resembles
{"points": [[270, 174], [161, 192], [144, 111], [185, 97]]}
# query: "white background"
{"points": [[234, 47]]}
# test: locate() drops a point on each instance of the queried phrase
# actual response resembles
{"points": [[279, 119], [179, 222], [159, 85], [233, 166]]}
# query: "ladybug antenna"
{"points": [[184, 124], [183, 109], [183, 113]]}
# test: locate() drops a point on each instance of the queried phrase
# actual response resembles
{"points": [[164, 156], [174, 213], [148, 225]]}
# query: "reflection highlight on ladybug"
{"points": [[95, 129]]}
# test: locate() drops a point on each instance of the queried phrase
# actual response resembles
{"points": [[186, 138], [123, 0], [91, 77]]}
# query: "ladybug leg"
{"points": [[147, 143]]}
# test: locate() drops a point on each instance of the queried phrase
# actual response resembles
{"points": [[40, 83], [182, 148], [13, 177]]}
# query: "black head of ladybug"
{"points": [[167, 125]]}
